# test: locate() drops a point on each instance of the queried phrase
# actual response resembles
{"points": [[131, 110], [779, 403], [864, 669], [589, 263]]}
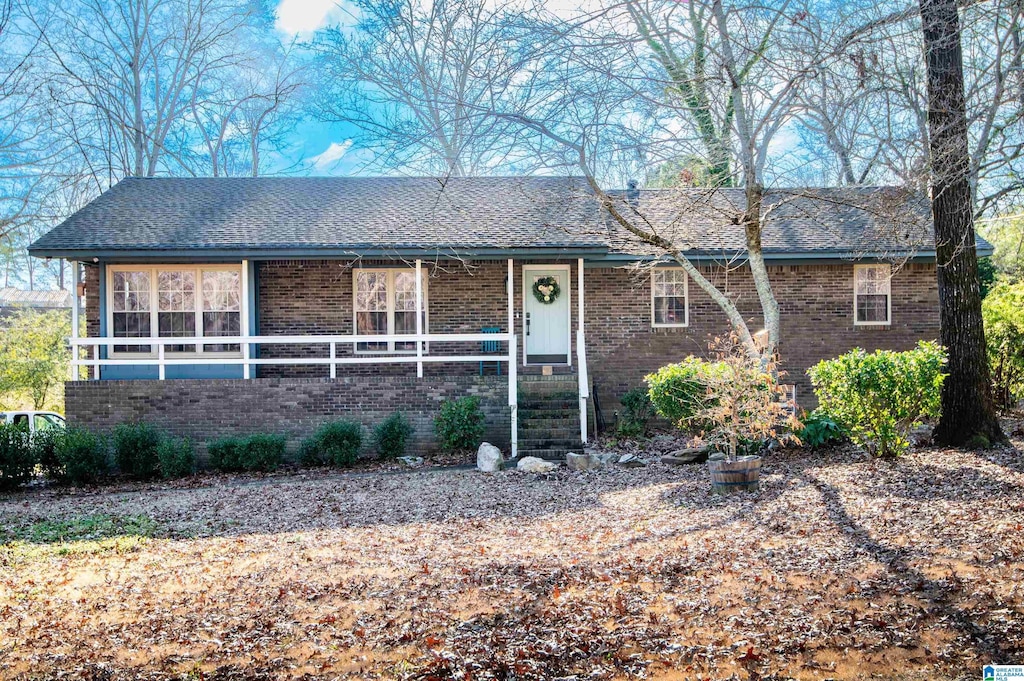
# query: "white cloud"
{"points": [[302, 17], [330, 157]]}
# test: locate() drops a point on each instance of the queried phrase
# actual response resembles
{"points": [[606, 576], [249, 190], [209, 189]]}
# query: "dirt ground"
{"points": [[839, 568]]}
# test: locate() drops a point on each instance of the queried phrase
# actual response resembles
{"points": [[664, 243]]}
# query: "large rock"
{"points": [[581, 462], [489, 458], [686, 456], [531, 464], [604, 456], [631, 461]]}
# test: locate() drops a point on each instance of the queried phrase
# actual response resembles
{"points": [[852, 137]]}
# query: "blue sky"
{"points": [[323, 148]]}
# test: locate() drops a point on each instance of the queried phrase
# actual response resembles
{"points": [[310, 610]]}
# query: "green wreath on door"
{"points": [[546, 290]]}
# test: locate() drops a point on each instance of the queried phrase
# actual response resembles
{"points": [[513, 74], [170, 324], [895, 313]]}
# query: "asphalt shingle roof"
{"points": [[852, 221], [316, 212], [354, 215]]}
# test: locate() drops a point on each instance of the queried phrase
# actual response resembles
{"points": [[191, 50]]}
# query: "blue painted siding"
{"points": [[150, 371]]}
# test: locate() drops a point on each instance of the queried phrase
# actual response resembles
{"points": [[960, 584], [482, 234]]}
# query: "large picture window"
{"points": [[172, 301], [385, 305], [669, 293], [872, 294]]}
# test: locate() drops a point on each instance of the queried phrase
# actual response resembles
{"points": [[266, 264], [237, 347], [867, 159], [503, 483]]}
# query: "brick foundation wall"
{"points": [[207, 409]]}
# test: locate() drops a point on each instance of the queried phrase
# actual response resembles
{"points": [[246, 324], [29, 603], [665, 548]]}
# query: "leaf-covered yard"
{"points": [[840, 568]]}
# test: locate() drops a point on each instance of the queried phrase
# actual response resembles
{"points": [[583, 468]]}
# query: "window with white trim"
{"points": [[385, 304], [131, 307], [222, 307], [172, 301], [872, 294], [669, 297]]}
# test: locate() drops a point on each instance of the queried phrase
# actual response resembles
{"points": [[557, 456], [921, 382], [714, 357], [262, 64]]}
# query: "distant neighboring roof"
{"points": [[331, 214], [337, 217], [16, 297], [847, 222]]}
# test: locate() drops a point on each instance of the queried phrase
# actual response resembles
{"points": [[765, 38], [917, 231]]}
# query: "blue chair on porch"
{"points": [[490, 347]]}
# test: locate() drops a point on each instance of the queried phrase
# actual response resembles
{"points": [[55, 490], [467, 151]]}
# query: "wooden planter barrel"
{"points": [[743, 474]]}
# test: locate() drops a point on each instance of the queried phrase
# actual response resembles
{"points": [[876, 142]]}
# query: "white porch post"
{"points": [[513, 362], [581, 352], [513, 393], [419, 318], [75, 302], [509, 289], [579, 297], [246, 312]]}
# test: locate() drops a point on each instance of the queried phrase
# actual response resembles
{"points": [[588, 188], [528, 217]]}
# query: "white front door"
{"points": [[546, 323]]}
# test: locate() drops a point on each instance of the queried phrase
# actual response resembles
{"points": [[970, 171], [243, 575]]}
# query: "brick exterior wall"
{"points": [[816, 309], [207, 409], [317, 297], [300, 297]]}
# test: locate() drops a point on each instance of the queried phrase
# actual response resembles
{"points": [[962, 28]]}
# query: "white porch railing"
{"points": [[584, 382], [158, 354], [160, 359]]}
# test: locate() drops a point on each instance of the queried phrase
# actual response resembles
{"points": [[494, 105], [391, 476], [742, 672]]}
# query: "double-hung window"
{"points": [[669, 293], [872, 295], [385, 305], [175, 301]]}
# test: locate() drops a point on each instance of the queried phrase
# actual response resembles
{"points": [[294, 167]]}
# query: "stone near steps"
{"points": [[581, 462], [411, 461], [686, 456], [531, 464], [631, 461], [489, 458]]}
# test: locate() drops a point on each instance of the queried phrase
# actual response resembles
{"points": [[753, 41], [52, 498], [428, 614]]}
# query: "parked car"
{"points": [[34, 420]]}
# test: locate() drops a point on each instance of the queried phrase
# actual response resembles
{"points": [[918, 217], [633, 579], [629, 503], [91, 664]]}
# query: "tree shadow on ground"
{"points": [[947, 600]]}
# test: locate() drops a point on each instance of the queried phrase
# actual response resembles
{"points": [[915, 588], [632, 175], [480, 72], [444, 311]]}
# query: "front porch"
{"points": [[354, 322]]}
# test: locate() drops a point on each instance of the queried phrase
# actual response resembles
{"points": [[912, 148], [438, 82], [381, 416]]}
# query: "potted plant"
{"points": [[744, 406]]}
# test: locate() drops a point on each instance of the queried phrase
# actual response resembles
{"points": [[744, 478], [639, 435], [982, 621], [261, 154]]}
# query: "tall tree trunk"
{"points": [[968, 411]]}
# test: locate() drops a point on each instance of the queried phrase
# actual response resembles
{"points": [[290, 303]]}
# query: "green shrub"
{"points": [[16, 456], [82, 456], [335, 443], [261, 452], [1003, 311], [44, 447], [636, 413], [224, 454], [679, 391], [177, 458], [820, 430], [135, 449], [878, 398], [460, 424], [391, 436], [309, 452]]}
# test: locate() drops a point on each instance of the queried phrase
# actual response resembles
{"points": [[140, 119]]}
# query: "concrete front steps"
{"points": [[549, 417]]}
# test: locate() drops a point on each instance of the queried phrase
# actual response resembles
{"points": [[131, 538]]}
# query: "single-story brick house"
{"points": [[233, 305]]}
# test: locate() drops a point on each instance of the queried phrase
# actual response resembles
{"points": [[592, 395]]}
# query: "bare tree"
{"points": [[23, 146], [414, 77], [968, 410], [245, 110], [890, 67], [125, 72]]}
